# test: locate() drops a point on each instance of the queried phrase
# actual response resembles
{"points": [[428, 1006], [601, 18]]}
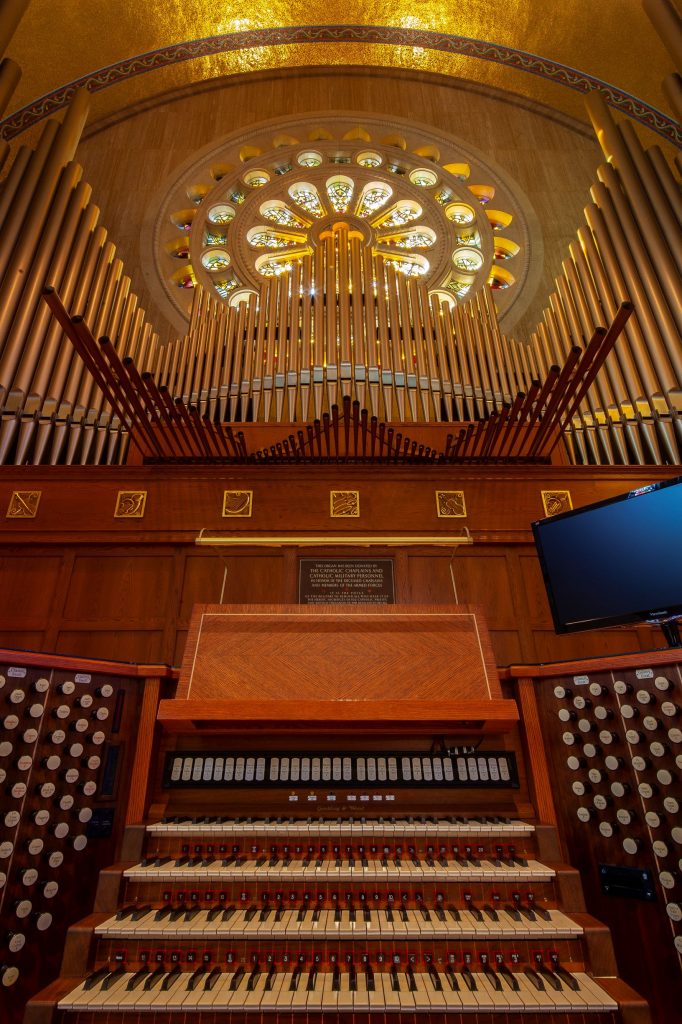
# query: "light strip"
{"points": [[338, 540]]}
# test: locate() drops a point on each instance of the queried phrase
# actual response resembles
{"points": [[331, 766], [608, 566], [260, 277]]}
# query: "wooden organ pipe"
{"points": [[10, 74]]}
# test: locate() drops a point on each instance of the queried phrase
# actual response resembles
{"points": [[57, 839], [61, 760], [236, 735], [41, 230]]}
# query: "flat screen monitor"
{"points": [[615, 562]]}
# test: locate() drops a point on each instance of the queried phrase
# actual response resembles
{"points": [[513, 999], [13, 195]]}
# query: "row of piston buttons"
{"points": [[662, 684]]}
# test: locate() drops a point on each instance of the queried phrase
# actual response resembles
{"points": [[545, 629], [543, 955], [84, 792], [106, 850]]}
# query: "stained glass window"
{"points": [[278, 213], [215, 259], [340, 192], [469, 260], [402, 213], [424, 177], [372, 198], [460, 213], [221, 214], [306, 197], [368, 159], [310, 159]]}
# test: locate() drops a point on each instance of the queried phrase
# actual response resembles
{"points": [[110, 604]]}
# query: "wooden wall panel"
{"points": [[112, 644], [97, 586], [122, 588], [27, 588]]}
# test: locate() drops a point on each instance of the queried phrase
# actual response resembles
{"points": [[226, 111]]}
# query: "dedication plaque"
{"points": [[346, 581]]}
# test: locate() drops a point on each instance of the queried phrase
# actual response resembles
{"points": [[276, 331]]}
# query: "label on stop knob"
{"points": [[41, 817], [56, 859], [671, 805], [41, 685], [24, 908], [645, 790], [50, 889], [600, 802], [89, 788], [583, 814], [29, 877], [674, 912], [660, 849], [98, 738], [606, 829], [630, 845], [667, 880], [24, 763], [43, 922], [624, 816], [668, 709], [12, 819], [650, 723], [35, 847]]}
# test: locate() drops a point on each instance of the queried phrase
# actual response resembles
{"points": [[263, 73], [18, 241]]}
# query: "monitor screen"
{"points": [[614, 562]]}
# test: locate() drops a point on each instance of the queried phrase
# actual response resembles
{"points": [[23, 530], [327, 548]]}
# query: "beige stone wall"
{"points": [[552, 159]]}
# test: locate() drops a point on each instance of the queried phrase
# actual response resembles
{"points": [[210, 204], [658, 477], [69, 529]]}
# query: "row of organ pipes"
{"points": [[343, 323]]}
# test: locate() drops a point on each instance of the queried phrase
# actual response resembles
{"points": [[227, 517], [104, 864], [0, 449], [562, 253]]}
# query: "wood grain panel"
{"points": [[348, 652], [119, 588], [483, 578], [119, 645], [27, 589], [370, 716]]}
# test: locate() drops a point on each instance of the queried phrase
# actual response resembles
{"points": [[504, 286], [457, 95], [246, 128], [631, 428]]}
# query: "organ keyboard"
{"points": [[419, 892]]}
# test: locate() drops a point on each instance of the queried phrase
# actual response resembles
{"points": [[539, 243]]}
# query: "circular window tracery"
{"points": [[249, 222]]}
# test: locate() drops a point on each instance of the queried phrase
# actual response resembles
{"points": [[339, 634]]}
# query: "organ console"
{"points": [[365, 846]]}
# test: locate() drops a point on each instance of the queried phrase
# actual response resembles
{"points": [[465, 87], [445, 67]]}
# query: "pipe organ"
{"points": [[338, 852], [342, 321]]}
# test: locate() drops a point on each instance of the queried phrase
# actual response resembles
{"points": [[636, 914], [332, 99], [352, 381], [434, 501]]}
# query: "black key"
{"points": [[270, 980], [229, 912], [366, 915], [125, 912], [550, 977], [492, 978], [567, 978], [191, 913], [336, 979], [295, 978], [253, 978], [212, 979], [170, 978], [137, 978], [469, 979], [312, 979], [213, 912], [265, 914], [452, 978], [534, 978], [513, 913], [95, 977], [196, 978], [454, 914], [389, 914], [352, 978], [237, 979], [435, 978], [411, 983], [301, 913], [251, 913], [440, 913], [369, 978], [425, 914], [507, 976], [111, 978], [337, 916], [176, 913], [491, 912], [395, 981], [154, 978]]}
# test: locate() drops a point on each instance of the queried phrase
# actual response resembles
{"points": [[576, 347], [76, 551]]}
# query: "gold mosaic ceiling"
{"points": [[58, 41]]}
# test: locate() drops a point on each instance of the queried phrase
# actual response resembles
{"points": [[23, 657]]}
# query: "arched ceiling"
{"points": [[129, 51]]}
